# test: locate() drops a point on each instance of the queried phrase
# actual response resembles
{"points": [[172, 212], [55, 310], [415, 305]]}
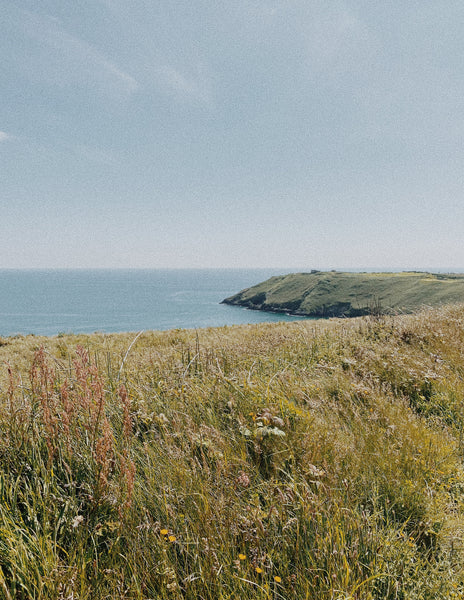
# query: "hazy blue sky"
{"points": [[228, 133]]}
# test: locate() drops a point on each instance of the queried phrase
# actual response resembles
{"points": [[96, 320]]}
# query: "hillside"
{"points": [[313, 459], [333, 294]]}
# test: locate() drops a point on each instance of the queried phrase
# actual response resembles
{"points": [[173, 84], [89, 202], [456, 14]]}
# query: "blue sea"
{"points": [[48, 302]]}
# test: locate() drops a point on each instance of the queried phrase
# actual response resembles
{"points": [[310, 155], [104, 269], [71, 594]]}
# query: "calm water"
{"points": [[47, 302]]}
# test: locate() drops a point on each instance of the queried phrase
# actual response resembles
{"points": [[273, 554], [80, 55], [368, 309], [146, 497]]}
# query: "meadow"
{"points": [[308, 460]]}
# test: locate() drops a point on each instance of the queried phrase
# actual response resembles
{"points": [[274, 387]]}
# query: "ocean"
{"points": [[49, 302]]}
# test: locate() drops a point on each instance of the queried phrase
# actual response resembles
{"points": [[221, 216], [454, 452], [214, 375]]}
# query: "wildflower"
{"points": [[259, 570], [315, 472], [242, 556], [277, 422], [277, 579], [172, 538], [162, 419], [164, 532], [243, 480], [77, 521]]}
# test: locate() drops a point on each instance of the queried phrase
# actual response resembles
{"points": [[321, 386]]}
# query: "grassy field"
{"points": [[335, 294], [308, 460]]}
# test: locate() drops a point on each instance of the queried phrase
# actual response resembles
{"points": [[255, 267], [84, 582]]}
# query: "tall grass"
{"points": [[299, 460]]}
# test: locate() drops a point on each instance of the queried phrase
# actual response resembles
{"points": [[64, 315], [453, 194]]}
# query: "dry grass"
{"points": [[298, 460]]}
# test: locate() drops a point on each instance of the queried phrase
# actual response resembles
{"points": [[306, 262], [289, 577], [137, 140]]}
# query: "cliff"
{"points": [[334, 294]]}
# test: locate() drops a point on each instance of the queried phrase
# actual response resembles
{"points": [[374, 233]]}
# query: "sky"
{"points": [[232, 133]]}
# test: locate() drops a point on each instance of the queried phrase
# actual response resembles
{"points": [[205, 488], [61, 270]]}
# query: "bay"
{"points": [[49, 302]]}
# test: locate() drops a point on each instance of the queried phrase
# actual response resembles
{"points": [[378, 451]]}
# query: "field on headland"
{"points": [[336, 294], [313, 459]]}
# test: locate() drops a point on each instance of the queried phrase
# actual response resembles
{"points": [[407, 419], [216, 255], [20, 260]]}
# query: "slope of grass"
{"points": [[298, 460], [322, 294]]}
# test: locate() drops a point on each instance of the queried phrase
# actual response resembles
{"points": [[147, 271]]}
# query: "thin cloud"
{"points": [[186, 87], [4, 136], [335, 38], [72, 57]]}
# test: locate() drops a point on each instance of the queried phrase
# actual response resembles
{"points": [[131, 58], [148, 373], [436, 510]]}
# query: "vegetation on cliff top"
{"points": [[333, 294], [314, 459]]}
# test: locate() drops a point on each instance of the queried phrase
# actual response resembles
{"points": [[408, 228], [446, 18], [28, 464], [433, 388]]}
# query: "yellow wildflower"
{"points": [[172, 538], [259, 570], [277, 579], [242, 556], [164, 532]]}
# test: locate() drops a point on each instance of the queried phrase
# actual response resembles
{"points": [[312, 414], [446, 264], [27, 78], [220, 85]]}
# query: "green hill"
{"points": [[333, 294]]}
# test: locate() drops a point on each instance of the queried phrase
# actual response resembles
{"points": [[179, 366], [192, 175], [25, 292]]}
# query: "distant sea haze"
{"points": [[48, 302]]}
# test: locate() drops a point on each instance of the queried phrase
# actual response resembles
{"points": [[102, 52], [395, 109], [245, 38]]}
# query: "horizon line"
{"points": [[298, 269]]}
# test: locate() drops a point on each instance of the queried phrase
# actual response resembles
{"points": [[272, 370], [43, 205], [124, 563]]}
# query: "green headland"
{"points": [[334, 294]]}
